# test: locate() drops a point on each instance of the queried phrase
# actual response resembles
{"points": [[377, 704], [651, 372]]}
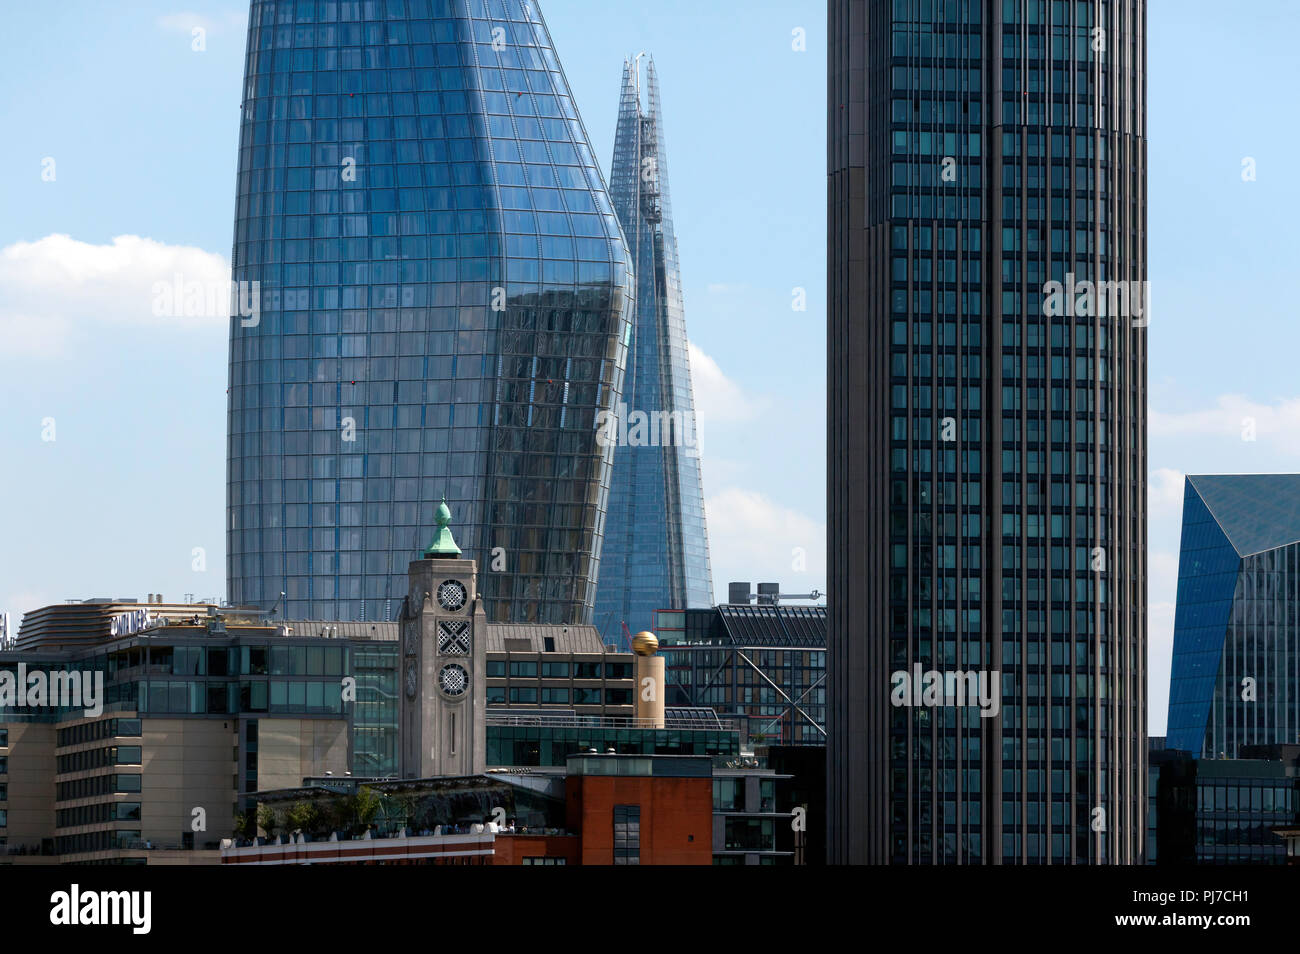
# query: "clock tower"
{"points": [[443, 668]]}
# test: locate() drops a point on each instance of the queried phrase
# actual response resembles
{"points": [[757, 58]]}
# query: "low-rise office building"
{"points": [[760, 664], [184, 716], [1226, 811]]}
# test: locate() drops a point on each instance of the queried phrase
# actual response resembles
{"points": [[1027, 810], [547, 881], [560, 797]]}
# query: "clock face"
{"points": [[451, 595], [453, 637], [412, 680], [453, 680]]}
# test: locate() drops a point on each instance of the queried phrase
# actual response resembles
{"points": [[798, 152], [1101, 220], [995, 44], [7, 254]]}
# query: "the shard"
{"points": [[656, 551]]}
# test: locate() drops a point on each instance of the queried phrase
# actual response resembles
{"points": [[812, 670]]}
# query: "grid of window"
{"points": [[789, 712], [1235, 818], [1011, 540], [99, 758], [550, 745], [444, 296], [627, 834], [94, 731], [564, 682]]}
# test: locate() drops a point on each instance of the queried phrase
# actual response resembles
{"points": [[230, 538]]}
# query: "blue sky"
{"points": [[142, 130]]}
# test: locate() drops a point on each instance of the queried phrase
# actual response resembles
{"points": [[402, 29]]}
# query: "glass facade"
{"points": [[990, 168], [445, 301], [1225, 811], [1235, 677], [1236, 815], [519, 746], [762, 667], [656, 548], [242, 677]]}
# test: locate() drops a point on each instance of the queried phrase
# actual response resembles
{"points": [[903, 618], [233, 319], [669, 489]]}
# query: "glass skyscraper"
{"points": [[656, 548], [1235, 678], [987, 429], [445, 303]]}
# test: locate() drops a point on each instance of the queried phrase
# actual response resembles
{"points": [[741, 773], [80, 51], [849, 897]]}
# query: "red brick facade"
{"points": [[676, 817]]}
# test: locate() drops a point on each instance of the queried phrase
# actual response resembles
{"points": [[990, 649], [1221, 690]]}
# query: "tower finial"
{"points": [[443, 545]]}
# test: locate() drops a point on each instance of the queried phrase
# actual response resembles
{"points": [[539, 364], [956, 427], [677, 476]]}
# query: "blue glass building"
{"points": [[444, 307], [656, 548], [1235, 678]]}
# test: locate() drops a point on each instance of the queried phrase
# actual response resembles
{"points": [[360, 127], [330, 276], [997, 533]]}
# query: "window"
{"points": [[627, 834]]}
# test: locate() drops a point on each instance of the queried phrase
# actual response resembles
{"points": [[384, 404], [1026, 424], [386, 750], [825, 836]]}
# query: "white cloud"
{"points": [[752, 538], [1237, 417], [718, 399], [57, 286], [1165, 491]]}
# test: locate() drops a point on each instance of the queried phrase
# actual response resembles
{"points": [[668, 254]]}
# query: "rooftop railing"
{"points": [[570, 721]]}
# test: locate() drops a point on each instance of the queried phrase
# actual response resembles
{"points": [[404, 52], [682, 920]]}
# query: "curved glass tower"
{"points": [[444, 304], [656, 548]]}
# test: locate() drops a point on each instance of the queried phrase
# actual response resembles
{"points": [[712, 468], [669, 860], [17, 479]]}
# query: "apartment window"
{"points": [[627, 834]]}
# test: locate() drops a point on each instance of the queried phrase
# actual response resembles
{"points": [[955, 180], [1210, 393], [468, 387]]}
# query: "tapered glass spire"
{"points": [[656, 551]]}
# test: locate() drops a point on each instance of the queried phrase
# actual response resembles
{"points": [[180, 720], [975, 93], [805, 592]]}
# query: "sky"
{"points": [[120, 173]]}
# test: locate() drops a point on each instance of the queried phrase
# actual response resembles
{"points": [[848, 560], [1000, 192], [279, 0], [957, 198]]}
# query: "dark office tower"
{"points": [[1235, 678], [445, 301], [986, 431], [656, 550]]}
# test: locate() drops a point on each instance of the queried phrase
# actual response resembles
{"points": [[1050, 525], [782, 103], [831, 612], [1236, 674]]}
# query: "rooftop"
{"points": [[1256, 512]]}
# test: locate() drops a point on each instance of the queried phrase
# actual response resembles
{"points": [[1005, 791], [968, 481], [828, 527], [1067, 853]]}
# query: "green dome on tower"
{"points": [[443, 545]]}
